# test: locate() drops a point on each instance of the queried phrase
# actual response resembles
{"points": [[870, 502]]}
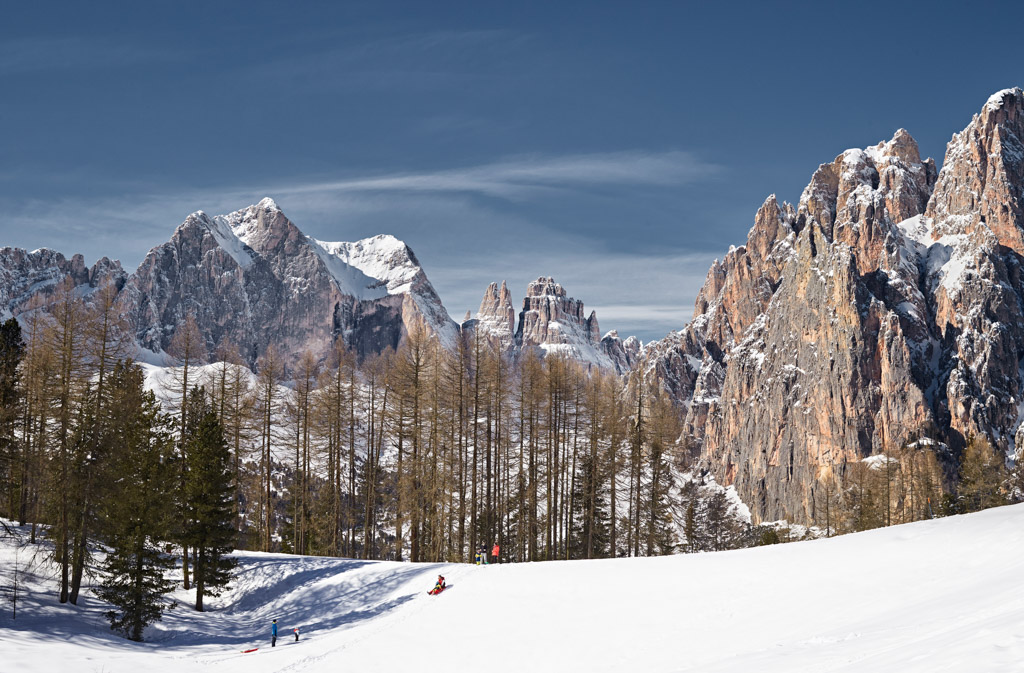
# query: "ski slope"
{"points": [[940, 595]]}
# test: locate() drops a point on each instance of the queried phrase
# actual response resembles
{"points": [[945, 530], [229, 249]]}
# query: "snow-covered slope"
{"points": [[935, 595]]}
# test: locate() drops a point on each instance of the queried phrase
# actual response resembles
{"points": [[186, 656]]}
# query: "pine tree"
{"points": [[982, 474], [209, 503], [138, 507], [722, 530], [591, 510], [12, 350], [188, 349]]}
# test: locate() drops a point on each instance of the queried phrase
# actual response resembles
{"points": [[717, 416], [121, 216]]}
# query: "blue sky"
{"points": [[618, 147]]}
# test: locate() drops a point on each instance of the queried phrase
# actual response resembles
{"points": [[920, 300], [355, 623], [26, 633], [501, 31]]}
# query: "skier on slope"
{"points": [[273, 634], [439, 586]]}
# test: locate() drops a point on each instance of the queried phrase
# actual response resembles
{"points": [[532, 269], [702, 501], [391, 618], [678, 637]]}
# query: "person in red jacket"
{"points": [[495, 550], [439, 587]]}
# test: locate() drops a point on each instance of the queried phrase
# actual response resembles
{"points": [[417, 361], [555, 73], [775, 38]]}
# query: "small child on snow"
{"points": [[439, 586]]}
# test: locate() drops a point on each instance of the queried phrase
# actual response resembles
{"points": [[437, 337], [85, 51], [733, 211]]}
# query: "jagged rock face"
{"points": [[27, 279], [551, 322], [625, 354], [253, 278], [888, 303], [976, 216], [497, 316], [982, 176], [550, 318]]}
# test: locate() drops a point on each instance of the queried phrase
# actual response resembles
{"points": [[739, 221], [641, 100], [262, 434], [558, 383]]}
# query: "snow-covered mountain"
{"points": [[252, 278], [551, 322], [938, 602], [887, 304]]}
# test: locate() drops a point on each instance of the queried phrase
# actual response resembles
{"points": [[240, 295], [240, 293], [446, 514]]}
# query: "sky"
{"points": [[618, 147]]}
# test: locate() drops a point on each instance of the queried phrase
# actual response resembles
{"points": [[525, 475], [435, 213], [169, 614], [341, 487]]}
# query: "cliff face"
{"points": [[887, 303], [551, 322]]}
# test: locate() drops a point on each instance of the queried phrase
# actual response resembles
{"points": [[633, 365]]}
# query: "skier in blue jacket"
{"points": [[273, 634]]}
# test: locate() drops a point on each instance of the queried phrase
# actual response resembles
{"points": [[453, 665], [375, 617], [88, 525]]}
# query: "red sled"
{"points": [[248, 651], [434, 592]]}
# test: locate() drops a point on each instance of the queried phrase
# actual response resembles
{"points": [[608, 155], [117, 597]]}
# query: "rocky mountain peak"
{"points": [[544, 287], [867, 188], [550, 317], [252, 277], [550, 322], [979, 190], [497, 315], [888, 304]]}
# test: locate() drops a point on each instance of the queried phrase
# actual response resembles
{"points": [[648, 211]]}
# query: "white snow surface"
{"points": [[370, 268], [944, 599], [228, 240], [995, 101]]}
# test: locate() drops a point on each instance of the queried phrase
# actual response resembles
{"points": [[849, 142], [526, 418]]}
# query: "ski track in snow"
{"points": [[932, 596]]}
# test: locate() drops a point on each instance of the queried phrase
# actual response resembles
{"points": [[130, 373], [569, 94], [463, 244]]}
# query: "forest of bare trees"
{"points": [[428, 453], [425, 453]]}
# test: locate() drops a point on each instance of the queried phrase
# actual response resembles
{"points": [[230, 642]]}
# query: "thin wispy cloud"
{"points": [[511, 179], [508, 179]]}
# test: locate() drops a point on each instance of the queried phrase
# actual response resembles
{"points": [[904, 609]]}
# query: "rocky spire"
{"points": [[550, 322], [497, 316], [979, 188]]}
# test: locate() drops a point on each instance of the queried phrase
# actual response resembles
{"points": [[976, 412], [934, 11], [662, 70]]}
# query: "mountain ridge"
{"points": [[886, 305]]}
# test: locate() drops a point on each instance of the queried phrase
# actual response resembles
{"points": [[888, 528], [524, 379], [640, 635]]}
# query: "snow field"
{"points": [[938, 595]]}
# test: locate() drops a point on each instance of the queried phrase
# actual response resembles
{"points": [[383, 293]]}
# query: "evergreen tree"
{"points": [[592, 511], [12, 349], [209, 503], [137, 509], [982, 473], [722, 530]]}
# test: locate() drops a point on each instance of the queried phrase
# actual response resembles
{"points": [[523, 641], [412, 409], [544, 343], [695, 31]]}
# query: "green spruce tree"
{"points": [[209, 503], [137, 509], [12, 349]]}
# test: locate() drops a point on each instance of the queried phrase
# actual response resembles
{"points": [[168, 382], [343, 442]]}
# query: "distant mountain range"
{"points": [[252, 278]]}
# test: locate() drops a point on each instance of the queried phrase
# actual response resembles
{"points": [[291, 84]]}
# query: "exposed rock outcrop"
{"points": [[886, 304], [27, 279], [551, 322]]}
